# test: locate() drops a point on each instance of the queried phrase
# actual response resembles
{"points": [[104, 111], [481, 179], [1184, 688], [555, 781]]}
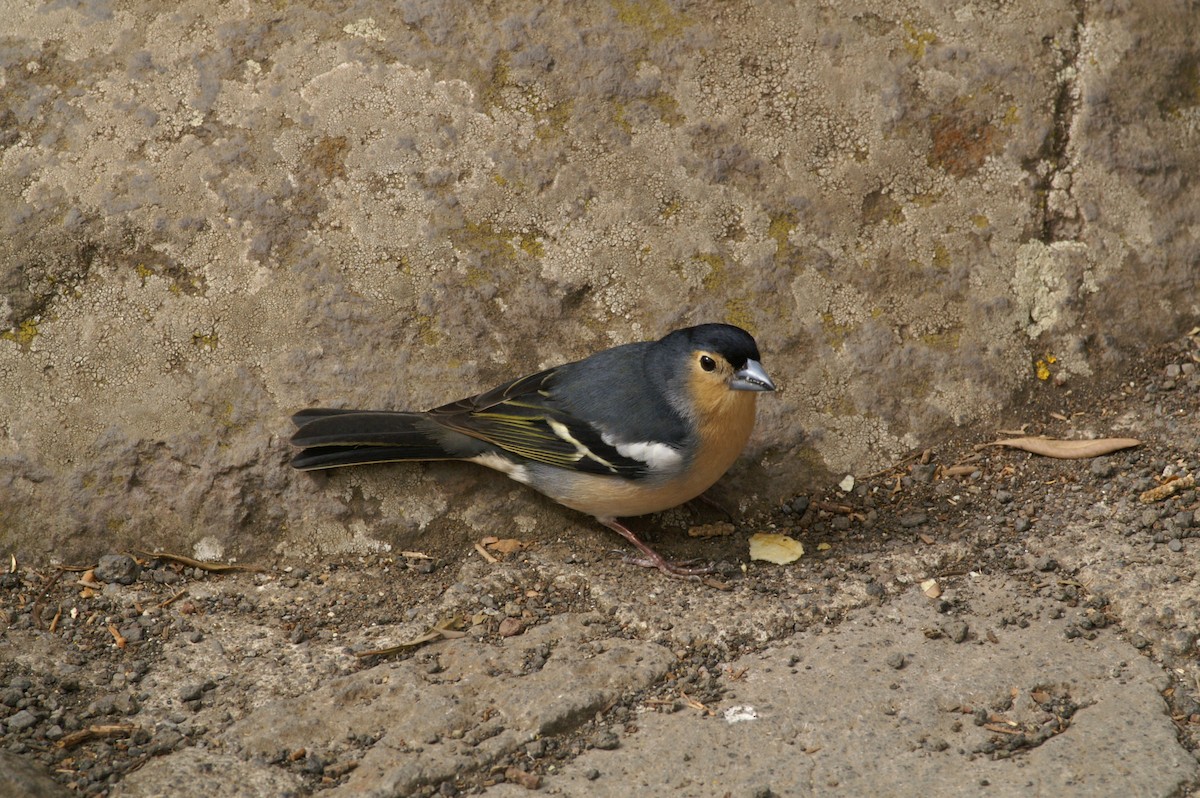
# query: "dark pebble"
{"points": [[1045, 564], [193, 691], [799, 505], [1004, 496], [20, 721], [1102, 467], [956, 630], [607, 741], [896, 661], [591, 774], [913, 520], [119, 568], [1022, 524], [923, 472]]}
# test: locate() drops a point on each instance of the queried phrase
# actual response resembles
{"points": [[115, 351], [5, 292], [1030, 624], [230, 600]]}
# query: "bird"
{"points": [[627, 431]]}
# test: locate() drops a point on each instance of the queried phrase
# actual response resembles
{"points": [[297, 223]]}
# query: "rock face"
{"points": [[215, 216]]}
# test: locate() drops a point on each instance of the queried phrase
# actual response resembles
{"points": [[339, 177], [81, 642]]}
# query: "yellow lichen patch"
{"points": [[737, 313], [554, 120], [946, 341], [618, 117], [780, 230], [426, 331], [485, 240], [917, 41], [941, 256], [670, 207], [492, 86], [655, 17], [835, 334], [667, 108], [531, 245], [206, 341], [715, 279], [980, 221], [23, 334]]}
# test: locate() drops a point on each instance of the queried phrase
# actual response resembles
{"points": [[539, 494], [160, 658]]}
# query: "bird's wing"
{"points": [[522, 418]]}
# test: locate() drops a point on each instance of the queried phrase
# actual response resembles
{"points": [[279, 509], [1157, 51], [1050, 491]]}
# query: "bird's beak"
{"points": [[751, 377]]}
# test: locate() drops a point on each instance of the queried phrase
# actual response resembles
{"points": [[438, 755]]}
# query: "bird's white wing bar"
{"points": [[657, 456]]}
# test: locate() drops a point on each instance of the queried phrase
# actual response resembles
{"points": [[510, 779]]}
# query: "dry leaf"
{"points": [[771, 547], [530, 781], [1068, 450], [507, 545], [931, 588], [719, 529]]}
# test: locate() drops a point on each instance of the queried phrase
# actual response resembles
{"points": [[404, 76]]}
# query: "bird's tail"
{"points": [[332, 438]]}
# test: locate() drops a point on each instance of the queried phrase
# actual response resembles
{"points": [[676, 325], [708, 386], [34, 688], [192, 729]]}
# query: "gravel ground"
{"points": [[117, 675]]}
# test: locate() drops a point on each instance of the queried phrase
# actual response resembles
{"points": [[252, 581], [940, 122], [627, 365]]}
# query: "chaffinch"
{"points": [[628, 431]]}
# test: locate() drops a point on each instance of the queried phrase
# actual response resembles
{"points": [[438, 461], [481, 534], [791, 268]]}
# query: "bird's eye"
{"points": [[707, 363]]}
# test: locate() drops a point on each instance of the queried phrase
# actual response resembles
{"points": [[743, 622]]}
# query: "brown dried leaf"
{"points": [[1068, 450], [507, 545], [530, 781]]}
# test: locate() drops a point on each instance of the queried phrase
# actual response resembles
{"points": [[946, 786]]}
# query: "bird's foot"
{"points": [[652, 559], [682, 569]]}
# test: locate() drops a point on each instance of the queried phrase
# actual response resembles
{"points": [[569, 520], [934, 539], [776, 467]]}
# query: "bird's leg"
{"points": [[651, 558]]}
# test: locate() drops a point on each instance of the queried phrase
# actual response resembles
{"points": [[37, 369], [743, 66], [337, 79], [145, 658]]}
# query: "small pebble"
{"points": [[20, 721], [119, 568], [913, 520], [1045, 564], [896, 661], [1175, 544], [607, 741], [193, 691], [956, 630]]}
